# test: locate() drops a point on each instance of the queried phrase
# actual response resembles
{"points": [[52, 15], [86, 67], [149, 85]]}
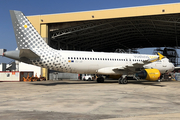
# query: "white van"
{"points": [[87, 77]]}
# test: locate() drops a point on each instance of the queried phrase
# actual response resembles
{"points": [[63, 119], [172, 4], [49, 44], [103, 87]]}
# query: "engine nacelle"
{"points": [[149, 74]]}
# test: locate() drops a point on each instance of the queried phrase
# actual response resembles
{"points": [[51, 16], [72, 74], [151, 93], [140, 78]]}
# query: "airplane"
{"points": [[32, 49]]}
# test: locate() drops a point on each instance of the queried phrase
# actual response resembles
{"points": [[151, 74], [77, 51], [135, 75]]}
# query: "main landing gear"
{"points": [[100, 80], [123, 80]]}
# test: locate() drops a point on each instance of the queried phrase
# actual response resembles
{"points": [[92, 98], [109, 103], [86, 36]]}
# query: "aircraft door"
{"points": [[57, 59], [127, 61]]}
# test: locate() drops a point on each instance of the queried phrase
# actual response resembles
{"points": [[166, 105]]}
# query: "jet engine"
{"points": [[149, 74]]}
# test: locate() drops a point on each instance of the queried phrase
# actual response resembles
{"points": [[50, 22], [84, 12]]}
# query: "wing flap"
{"points": [[118, 68]]}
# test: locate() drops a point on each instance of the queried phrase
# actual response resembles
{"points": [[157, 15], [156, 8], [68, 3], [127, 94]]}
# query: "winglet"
{"points": [[160, 56], [155, 59]]}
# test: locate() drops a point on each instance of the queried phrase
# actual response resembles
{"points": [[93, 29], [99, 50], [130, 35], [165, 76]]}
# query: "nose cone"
{"points": [[171, 67]]}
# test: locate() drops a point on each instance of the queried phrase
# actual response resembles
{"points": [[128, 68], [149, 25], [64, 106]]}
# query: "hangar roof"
{"points": [[107, 30]]}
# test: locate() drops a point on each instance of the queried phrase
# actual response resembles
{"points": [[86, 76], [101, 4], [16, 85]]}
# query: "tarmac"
{"points": [[88, 100]]}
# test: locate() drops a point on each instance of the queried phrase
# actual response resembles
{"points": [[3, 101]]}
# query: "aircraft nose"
{"points": [[171, 67]]}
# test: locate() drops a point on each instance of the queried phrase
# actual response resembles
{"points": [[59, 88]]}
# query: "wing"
{"points": [[136, 67]]}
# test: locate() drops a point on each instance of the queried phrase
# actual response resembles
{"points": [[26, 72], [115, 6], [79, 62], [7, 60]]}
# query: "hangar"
{"points": [[107, 30]]}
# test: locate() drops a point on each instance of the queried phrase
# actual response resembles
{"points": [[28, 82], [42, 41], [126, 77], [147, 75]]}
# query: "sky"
{"points": [[40, 7]]}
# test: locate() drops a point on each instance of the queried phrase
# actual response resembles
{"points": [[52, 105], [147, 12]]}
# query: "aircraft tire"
{"points": [[120, 81], [100, 80], [124, 81]]}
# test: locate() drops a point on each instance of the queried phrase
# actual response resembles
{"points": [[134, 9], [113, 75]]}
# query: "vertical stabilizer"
{"points": [[26, 35]]}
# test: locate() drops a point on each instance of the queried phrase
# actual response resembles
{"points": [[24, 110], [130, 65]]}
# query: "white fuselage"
{"points": [[97, 62]]}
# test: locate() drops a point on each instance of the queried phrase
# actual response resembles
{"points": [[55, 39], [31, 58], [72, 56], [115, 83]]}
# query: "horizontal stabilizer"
{"points": [[27, 53]]}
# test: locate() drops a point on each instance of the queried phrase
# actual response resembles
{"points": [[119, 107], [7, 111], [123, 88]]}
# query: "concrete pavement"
{"points": [[89, 100]]}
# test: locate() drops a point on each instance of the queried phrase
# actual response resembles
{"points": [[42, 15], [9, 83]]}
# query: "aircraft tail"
{"points": [[26, 35]]}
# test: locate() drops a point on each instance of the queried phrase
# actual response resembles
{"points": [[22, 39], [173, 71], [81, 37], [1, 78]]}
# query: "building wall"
{"points": [[0, 67], [60, 76], [9, 76], [105, 14], [28, 67]]}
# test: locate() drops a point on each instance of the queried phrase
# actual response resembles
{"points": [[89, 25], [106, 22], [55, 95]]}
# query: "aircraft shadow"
{"points": [[149, 83], [63, 83], [54, 83]]}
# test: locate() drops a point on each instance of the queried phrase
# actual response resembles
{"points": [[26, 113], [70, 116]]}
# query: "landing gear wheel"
{"points": [[123, 80], [120, 81], [100, 80]]}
